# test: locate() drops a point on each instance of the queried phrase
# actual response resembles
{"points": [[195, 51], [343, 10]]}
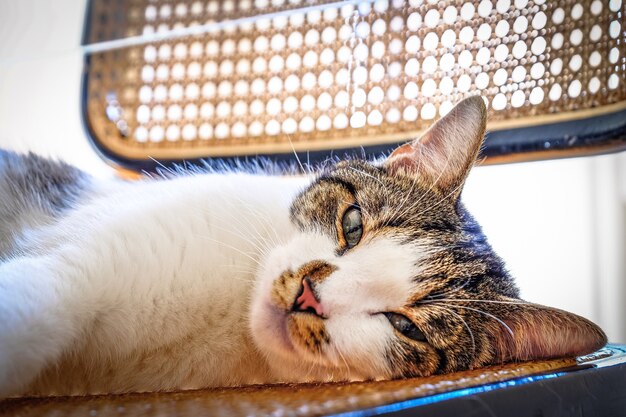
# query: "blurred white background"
{"points": [[560, 225]]}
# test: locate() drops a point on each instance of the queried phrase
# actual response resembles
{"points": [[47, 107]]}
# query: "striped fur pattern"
{"points": [[422, 255]]}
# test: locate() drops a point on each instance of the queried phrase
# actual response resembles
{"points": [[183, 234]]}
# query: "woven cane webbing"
{"points": [[341, 76]]}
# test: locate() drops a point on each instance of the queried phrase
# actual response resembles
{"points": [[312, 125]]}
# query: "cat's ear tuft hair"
{"points": [[446, 152], [540, 332]]}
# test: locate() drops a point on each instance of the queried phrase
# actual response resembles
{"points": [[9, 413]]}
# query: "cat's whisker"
{"points": [[231, 247], [343, 358], [304, 172], [251, 226], [240, 203], [415, 205], [506, 326], [369, 176], [232, 218], [239, 279], [521, 302], [263, 238], [254, 235], [449, 291], [469, 330], [241, 269], [265, 222], [168, 169], [410, 193], [246, 254], [444, 198], [312, 366], [252, 238], [434, 184], [262, 250], [403, 207]]}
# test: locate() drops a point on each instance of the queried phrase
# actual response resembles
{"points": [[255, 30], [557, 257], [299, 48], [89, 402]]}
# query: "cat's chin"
{"points": [[270, 331], [268, 324], [282, 333], [288, 363]]}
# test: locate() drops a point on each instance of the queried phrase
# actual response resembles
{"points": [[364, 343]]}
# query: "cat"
{"points": [[359, 271]]}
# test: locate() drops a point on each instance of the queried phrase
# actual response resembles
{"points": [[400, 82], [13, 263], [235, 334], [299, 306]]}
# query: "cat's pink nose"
{"points": [[306, 301]]}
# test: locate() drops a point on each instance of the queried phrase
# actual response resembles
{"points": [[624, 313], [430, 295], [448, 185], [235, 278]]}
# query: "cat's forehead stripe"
{"points": [[348, 186]]}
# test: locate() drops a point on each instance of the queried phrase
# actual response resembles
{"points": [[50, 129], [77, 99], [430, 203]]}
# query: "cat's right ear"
{"points": [[444, 155]]}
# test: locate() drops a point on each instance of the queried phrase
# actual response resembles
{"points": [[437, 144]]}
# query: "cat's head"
{"points": [[389, 275]]}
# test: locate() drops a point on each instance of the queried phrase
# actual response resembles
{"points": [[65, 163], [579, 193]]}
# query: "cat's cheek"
{"points": [[375, 277], [269, 331], [265, 319], [268, 324]]}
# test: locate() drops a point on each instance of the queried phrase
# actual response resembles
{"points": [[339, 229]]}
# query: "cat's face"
{"points": [[370, 285]]}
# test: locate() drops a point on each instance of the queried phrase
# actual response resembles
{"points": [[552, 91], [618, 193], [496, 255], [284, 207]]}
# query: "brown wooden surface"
{"points": [[301, 400]]}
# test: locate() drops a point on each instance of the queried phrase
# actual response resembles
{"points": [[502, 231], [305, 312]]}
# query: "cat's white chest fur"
{"points": [[152, 273]]}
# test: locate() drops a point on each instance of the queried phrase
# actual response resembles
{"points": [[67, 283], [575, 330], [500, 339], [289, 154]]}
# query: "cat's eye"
{"points": [[352, 226], [405, 326]]}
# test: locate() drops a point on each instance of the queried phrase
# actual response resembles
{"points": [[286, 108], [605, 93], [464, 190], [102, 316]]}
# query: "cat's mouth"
{"points": [[298, 315], [305, 322], [299, 333]]}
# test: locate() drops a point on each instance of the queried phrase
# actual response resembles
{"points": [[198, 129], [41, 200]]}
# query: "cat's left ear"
{"points": [[530, 331], [444, 155]]}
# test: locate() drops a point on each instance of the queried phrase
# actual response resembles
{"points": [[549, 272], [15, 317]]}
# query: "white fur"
{"points": [[151, 286], [138, 268]]}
